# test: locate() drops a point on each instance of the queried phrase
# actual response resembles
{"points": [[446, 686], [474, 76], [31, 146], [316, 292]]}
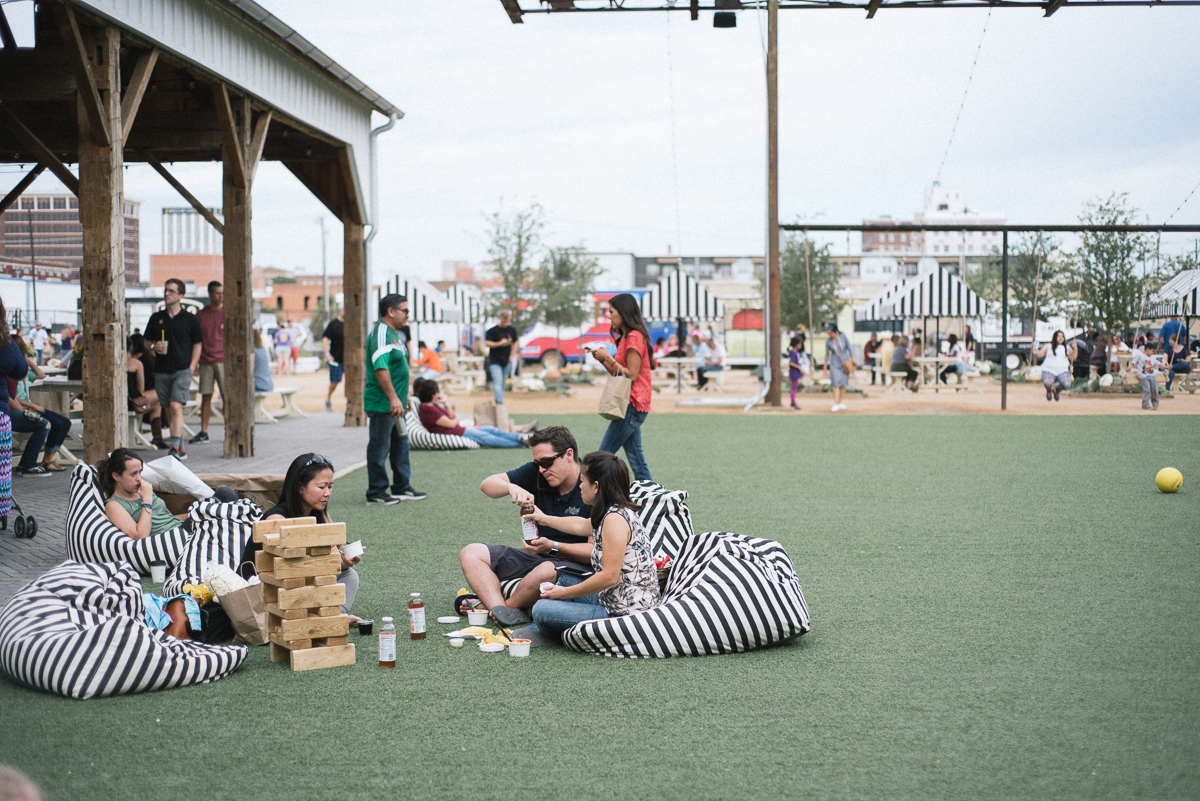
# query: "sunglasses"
{"points": [[549, 461], [318, 459]]}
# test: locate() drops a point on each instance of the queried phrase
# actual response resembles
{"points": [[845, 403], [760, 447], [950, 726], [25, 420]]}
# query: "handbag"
{"points": [[614, 401], [248, 614]]}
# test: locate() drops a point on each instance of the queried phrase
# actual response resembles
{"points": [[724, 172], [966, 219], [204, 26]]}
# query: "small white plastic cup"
{"points": [[353, 549], [519, 648], [545, 586], [456, 642], [158, 572], [477, 618]]}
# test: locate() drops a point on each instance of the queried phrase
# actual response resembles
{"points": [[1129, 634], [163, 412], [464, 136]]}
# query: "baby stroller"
{"points": [[24, 526]]}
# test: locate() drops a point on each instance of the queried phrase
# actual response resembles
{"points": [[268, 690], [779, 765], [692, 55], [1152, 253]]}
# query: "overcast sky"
{"points": [[635, 132]]}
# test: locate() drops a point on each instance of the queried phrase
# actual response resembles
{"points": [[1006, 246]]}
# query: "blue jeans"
{"points": [[627, 433], [554, 617], [37, 432], [384, 444], [492, 437], [499, 373]]}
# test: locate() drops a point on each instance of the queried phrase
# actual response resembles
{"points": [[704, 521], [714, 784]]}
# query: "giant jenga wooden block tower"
{"points": [[298, 569]]}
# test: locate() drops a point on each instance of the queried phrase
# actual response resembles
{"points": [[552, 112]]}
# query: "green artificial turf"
{"points": [[1001, 607]]}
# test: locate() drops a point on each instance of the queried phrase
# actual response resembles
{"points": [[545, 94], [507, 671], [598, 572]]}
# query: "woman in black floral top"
{"points": [[625, 580]]}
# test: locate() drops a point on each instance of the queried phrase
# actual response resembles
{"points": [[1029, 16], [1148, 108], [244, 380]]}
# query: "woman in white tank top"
{"points": [[1056, 366]]}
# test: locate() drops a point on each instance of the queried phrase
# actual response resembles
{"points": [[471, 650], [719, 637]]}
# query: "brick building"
{"points": [[57, 234]]}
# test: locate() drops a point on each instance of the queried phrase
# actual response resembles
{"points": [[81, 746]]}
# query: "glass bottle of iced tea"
{"points": [[387, 644], [416, 617]]}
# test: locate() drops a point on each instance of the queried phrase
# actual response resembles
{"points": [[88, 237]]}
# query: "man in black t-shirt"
{"points": [[501, 340], [176, 337], [334, 339], [551, 482]]}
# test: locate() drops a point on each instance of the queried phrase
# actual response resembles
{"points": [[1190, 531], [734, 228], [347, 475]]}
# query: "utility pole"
{"points": [[771, 362]]}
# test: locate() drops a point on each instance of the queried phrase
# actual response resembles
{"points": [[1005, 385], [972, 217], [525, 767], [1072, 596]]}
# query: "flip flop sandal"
{"points": [[54, 467], [465, 602]]}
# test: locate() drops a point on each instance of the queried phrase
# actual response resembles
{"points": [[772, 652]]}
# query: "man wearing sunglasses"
{"points": [[385, 401], [551, 482]]}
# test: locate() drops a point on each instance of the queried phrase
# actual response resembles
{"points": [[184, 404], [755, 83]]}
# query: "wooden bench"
{"points": [[896, 381], [261, 415]]}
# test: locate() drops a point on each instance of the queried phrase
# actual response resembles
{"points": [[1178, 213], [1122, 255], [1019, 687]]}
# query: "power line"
{"points": [[674, 154], [957, 116], [1184, 203]]}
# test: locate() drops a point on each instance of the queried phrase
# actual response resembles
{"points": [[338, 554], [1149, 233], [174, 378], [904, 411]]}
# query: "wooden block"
{"points": [[308, 597], [264, 527], [278, 653], [276, 581], [323, 581], [308, 566], [273, 610], [329, 611], [320, 550], [286, 553], [263, 562], [270, 593], [273, 622], [307, 536], [291, 645], [317, 658], [325, 642], [314, 626]]}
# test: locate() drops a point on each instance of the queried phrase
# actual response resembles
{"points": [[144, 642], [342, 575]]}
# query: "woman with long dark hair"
{"points": [[624, 580], [1056, 366], [635, 361], [307, 487], [130, 502]]}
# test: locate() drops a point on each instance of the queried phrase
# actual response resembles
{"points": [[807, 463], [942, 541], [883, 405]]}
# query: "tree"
{"points": [[1037, 271], [513, 244], [823, 275], [564, 284], [1106, 280]]}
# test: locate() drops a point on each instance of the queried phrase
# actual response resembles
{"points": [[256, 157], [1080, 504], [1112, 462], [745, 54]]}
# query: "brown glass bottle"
{"points": [[387, 644], [416, 617]]}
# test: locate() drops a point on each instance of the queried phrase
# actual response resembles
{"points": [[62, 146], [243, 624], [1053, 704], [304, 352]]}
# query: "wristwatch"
{"points": [[554, 548]]}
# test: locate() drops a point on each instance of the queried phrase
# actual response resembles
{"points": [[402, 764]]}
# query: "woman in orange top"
{"points": [[429, 362], [635, 362]]}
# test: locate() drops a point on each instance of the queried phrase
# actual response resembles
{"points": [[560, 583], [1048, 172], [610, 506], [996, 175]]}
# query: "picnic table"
{"points": [[56, 394], [661, 375], [929, 368]]}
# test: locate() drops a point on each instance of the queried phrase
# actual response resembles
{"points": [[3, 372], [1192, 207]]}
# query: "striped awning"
{"points": [[469, 303], [681, 296], [425, 303], [1178, 297], [937, 293]]}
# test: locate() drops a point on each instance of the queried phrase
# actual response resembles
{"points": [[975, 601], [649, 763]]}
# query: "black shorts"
{"points": [[510, 563]]}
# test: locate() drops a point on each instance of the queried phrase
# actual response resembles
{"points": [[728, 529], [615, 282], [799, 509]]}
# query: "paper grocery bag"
{"points": [[615, 399], [492, 414], [247, 613]]}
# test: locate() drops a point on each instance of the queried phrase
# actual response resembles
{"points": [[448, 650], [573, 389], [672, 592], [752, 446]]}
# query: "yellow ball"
{"points": [[1169, 479]]}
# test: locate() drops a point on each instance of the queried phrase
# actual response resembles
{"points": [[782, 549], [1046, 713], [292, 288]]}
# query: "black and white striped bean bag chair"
{"points": [[220, 532], [92, 538], [664, 515], [79, 631], [422, 439], [726, 594]]}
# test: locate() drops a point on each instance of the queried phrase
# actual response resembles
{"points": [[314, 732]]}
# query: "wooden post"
{"points": [[239, 300], [774, 348], [102, 277], [354, 291]]}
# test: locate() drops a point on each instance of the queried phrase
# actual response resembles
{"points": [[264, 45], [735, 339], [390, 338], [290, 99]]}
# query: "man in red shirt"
{"points": [[212, 354]]}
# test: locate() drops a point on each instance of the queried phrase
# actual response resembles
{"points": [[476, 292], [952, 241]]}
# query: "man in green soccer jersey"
{"points": [[385, 402]]}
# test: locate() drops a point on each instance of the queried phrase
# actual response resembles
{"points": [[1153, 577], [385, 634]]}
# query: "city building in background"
{"points": [[191, 250], [57, 238]]}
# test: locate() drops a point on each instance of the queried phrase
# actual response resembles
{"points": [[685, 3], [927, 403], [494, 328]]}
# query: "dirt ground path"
{"points": [[740, 384]]}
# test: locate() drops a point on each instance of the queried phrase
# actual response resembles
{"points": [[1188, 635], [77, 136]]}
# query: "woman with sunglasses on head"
{"points": [[306, 490], [635, 362], [624, 578]]}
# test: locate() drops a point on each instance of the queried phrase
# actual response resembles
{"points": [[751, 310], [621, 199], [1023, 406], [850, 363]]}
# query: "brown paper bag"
{"points": [[247, 613], [490, 414], [615, 399]]}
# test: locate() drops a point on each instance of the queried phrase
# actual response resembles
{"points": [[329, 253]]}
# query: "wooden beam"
{"points": [[256, 144], [188, 196], [513, 9], [12, 196], [6, 34], [43, 153], [695, 10], [137, 87], [355, 298], [349, 188], [235, 161], [85, 78], [322, 178], [239, 299], [102, 275], [1054, 5], [872, 7]]}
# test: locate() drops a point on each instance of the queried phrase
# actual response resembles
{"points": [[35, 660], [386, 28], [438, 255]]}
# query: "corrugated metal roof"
{"points": [[278, 28]]}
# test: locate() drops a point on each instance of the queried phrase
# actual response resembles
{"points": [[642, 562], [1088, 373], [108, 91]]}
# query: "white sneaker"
{"points": [[844, 406], [835, 407]]}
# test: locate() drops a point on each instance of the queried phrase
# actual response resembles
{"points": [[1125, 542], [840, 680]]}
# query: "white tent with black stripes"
{"points": [[934, 292], [425, 303], [1178, 297], [679, 295]]}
